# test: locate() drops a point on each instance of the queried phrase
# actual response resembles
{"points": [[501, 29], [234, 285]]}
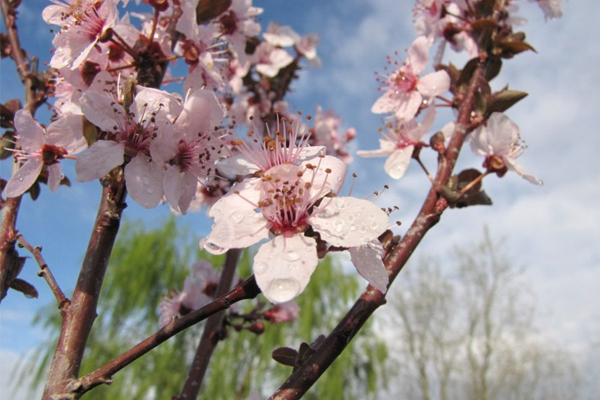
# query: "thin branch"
{"points": [[10, 207], [211, 335], [45, 272], [246, 290], [314, 366]]}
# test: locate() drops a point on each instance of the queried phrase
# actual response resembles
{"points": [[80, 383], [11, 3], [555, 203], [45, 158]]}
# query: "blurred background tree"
{"points": [[148, 263], [465, 329]]}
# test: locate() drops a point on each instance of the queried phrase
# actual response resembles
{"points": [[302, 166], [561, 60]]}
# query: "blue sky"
{"points": [[552, 230]]}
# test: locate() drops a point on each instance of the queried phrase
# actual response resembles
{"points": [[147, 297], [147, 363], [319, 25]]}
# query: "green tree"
{"points": [[146, 264]]}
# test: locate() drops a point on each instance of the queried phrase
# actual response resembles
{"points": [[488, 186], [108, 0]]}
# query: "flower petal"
{"points": [[24, 177], [348, 222], [387, 148], [98, 160], [323, 182], [397, 163], [283, 266], [434, 84], [54, 176], [367, 260], [103, 111], [237, 225], [31, 134], [386, 103], [237, 165], [144, 181], [418, 54], [512, 165]]}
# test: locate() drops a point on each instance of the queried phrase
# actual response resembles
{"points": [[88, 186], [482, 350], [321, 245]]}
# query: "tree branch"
{"points": [[246, 290], [45, 272], [314, 366], [10, 207], [79, 315], [211, 335]]}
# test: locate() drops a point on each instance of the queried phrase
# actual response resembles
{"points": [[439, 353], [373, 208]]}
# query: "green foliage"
{"points": [[146, 264]]}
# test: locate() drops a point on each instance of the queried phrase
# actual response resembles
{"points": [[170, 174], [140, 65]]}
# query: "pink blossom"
{"points": [[83, 23], [41, 148], [128, 134], [326, 133], [270, 59], [398, 143], [500, 142], [198, 290], [551, 8], [284, 204], [404, 90], [187, 149], [285, 312], [238, 24]]}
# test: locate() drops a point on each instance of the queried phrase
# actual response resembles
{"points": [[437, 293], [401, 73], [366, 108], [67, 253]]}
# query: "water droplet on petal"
{"points": [[292, 256], [20, 179], [237, 217], [374, 225], [260, 268], [214, 249], [339, 225], [341, 204], [363, 229], [282, 290], [352, 228], [149, 189], [350, 218]]}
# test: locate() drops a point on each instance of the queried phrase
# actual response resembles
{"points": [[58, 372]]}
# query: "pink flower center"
{"points": [[404, 80]]}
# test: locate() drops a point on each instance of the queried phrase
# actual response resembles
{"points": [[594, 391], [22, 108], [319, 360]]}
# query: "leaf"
{"points": [[286, 356], [494, 65], [34, 190], [90, 132], [7, 143], [503, 100], [24, 287], [210, 9], [467, 72]]}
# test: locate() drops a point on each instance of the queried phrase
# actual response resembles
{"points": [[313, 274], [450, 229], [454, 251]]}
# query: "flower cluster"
{"points": [[409, 95]]}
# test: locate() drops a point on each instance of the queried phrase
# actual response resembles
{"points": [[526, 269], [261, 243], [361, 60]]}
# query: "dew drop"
{"points": [[20, 179], [341, 204], [292, 256], [237, 217], [363, 229], [339, 225], [374, 225], [352, 228], [260, 268], [214, 249], [282, 290], [149, 189], [350, 218]]}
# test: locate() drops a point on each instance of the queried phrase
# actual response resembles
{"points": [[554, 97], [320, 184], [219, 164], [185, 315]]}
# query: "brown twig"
{"points": [[246, 290], [45, 272], [212, 333], [79, 315], [314, 366], [10, 207]]}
